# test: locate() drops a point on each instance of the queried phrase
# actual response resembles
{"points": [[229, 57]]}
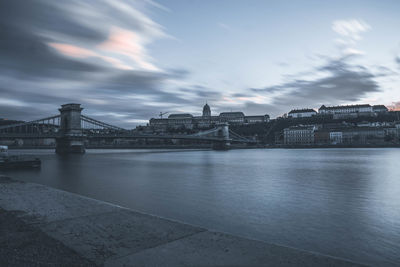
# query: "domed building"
{"points": [[188, 121], [206, 111]]}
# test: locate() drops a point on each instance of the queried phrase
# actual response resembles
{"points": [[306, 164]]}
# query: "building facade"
{"points": [[363, 135], [365, 108], [302, 113], [379, 109], [336, 137], [299, 135], [188, 121]]}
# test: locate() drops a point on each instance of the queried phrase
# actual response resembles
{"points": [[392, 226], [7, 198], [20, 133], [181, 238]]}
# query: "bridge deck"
{"points": [[122, 136]]}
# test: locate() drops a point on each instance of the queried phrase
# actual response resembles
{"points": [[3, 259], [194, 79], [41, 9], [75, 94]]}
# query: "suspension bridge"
{"points": [[71, 129]]}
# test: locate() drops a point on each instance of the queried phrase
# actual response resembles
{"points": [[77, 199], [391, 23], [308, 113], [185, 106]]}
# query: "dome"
{"points": [[206, 110]]}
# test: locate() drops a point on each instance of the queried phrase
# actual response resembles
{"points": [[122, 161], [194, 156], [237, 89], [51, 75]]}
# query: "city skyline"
{"points": [[126, 61]]}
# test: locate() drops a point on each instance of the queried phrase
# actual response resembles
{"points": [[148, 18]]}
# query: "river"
{"points": [[340, 202]]}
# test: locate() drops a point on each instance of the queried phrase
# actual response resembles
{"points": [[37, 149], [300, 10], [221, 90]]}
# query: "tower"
{"points": [[206, 111], [72, 138]]}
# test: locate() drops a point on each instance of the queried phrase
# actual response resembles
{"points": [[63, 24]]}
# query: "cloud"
{"points": [[202, 93], [269, 89], [350, 31], [129, 44], [339, 81], [78, 52], [350, 28], [395, 106], [55, 52]]}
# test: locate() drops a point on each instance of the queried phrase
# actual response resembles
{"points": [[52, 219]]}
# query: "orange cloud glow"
{"points": [[72, 51], [78, 52], [395, 106], [127, 43]]}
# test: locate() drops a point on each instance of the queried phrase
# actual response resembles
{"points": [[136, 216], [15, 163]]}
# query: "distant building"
{"points": [[299, 135], [321, 136], [363, 135], [302, 113], [232, 117], [379, 109], [256, 119], [336, 137], [206, 111], [365, 108], [183, 120], [188, 121]]}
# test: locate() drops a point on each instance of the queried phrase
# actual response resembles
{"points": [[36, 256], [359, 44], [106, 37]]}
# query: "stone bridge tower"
{"points": [[71, 138], [223, 133]]}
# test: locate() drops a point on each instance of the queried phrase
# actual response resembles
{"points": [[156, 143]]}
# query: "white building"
{"points": [[365, 108], [302, 113]]}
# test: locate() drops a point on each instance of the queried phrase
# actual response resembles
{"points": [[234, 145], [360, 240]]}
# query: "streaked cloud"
{"points": [[129, 44], [350, 28], [350, 32], [123, 66], [56, 52], [395, 106], [341, 81]]}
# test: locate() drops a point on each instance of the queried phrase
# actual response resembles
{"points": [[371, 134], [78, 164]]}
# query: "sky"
{"points": [[126, 61]]}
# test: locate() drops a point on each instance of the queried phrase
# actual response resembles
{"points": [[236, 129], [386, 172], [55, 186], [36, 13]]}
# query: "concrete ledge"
{"points": [[67, 229]]}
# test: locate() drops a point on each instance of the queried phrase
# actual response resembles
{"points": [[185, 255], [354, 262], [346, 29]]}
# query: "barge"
{"points": [[17, 162]]}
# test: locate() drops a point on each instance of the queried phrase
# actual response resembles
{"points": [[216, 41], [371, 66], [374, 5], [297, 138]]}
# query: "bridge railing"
{"points": [[90, 123]]}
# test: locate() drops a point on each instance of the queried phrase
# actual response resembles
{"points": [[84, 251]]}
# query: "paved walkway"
{"points": [[42, 226]]}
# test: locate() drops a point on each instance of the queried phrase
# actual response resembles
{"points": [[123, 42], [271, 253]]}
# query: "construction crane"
{"points": [[162, 114]]}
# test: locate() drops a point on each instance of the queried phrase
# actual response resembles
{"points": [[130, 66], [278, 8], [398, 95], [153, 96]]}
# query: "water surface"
{"points": [[340, 202]]}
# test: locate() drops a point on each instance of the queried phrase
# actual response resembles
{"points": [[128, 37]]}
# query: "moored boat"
{"points": [[17, 162]]}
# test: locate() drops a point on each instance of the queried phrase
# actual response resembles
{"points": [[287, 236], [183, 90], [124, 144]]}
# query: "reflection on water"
{"points": [[341, 202]]}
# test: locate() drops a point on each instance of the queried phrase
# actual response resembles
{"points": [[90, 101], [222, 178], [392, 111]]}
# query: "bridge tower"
{"points": [[223, 133], [72, 138]]}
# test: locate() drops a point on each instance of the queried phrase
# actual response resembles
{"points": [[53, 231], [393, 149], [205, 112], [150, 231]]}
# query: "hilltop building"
{"points": [[365, 108], [379, 109], [340, 112], [206, 111], [302, 113], [188, 121], [352, 111]]}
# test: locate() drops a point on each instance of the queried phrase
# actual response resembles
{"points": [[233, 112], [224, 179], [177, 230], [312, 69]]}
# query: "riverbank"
{"points": [[233, 146], [40, 225]]}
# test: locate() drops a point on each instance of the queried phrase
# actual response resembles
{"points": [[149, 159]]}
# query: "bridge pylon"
{"points": [[72, 139], [223, 134]]}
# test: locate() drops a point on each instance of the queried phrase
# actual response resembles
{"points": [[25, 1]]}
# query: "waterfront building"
{"points": [[299, 135], [336, 137], [188, 121], [302, 113], [321, 136], [363, 135]]}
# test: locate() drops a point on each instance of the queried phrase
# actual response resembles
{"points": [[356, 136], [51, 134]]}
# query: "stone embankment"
{"points": [[42, 226]]}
